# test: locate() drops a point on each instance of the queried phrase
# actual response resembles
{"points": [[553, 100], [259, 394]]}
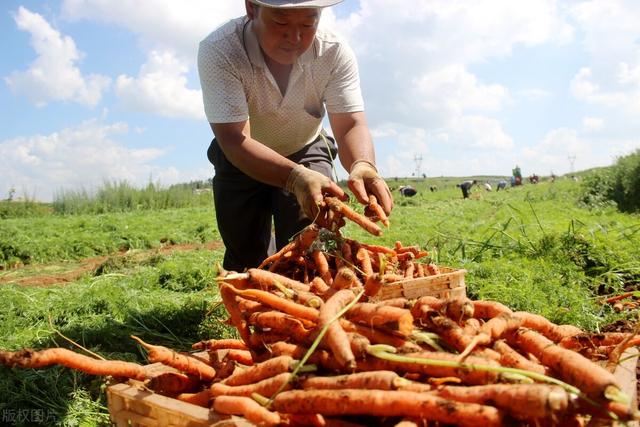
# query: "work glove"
{"points": [[364, 180], [308, 187]]}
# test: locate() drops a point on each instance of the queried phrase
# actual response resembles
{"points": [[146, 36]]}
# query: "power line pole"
{"points": [[572, 160], [418, 161]]}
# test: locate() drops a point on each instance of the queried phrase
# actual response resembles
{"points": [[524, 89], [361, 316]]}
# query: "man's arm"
{"points": [[250, 156], [265, 165], [355, 150]]}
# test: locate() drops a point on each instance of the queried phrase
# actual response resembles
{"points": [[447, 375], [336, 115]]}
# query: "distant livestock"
{"points": [[407, 191]]}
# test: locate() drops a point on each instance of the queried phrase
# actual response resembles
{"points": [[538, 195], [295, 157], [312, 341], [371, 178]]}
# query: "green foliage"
{"points": [[618, 184], [123, 197], [22, 209]]}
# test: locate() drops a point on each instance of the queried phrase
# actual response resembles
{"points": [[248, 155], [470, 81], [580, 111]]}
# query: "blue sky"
{"points": [[94, 91]]}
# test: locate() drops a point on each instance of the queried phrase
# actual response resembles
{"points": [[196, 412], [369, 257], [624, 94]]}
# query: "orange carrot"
{"points": [[570, 366], [547, 328], [377, 211], [248, 408], [488, 309], [301, 242], [364, 222], [220, 344], [521, 401], [265, 387], [28, 358], [261, 371], [345, 278], [336, 337], [377, 336], [318, 286], [387, 403], [374, 315], [282, 304], [201, 398], [322, 266], [241, 356], [172, 383], [182, 362], [266, 280], [372, 285], [378, 380], [497, 326], [229, 299], [282, 323], [458, 308], [511, 358]]}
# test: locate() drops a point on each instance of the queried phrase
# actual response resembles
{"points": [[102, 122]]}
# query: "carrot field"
{"points": [[95, 280]]}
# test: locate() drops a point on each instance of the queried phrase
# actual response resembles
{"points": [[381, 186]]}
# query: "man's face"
{"points": [[284, 34]]}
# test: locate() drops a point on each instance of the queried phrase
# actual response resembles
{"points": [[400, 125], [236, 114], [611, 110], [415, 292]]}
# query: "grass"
{"points": [[533, 248]]}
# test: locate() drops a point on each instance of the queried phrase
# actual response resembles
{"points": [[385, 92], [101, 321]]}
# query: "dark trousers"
{"points": [[245, 208]]}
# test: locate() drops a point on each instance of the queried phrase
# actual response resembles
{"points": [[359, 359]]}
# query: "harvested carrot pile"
{"points": [[316, 348]]}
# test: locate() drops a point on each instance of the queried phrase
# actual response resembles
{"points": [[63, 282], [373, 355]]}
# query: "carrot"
{"points": [[344, 210], [319, 357], [28, 358], [463, 371], [345, 279], [265, 387], [266, 280], [318, 286], [432, 269], [571, 367], [398, 319], [377, 336], [585, 340], [511, 358], [386, 403], [364, 261], [346, 252], [455, 336], [282, 304], [521, 401], [547, 328], [489, 309], [260, 371], [301, 242], [201, 398], [182, 362], [336, 337], [377, 211], [229, 299], [248, 408], [282, 323], [457, 308], [372, 285], [220, 344], [497, 326], [378, 380], [322, 266], [172, 383], [241, 356]]}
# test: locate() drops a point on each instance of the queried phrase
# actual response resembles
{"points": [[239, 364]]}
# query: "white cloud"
{"points": [[53, 75], [84, 156], [592, 124], [161, 24], [161, 88]]}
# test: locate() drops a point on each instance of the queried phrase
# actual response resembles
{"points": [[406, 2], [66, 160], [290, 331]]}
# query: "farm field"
{"points": [[97, 279]]}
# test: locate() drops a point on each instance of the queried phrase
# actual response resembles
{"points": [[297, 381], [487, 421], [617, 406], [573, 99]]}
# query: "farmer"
{"points": [[465, 186], [267, 79], [502, 185], [407, 190]]}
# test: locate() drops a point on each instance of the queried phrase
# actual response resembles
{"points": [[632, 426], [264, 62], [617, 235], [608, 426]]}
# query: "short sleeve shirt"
{"points": [[237, 86]]}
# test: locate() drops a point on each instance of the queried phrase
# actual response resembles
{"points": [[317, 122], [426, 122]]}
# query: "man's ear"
{"points": [[251, 8]]}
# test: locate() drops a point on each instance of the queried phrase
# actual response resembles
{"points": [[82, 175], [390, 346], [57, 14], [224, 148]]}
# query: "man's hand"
{"points": [[309, 187], [364, 180]]}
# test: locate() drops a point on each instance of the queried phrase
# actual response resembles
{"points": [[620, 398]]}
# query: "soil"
{"points": [[66, 272]]}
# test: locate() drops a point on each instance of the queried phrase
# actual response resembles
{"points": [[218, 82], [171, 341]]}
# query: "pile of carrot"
{"points": [[316, 348]]}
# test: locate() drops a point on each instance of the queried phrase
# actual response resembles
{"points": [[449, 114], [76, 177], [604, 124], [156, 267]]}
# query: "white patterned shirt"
{"points": [[238, 86]]}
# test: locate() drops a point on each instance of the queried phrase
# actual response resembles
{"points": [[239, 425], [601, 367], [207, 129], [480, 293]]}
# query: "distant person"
{"points": [[487, 186], [502, 185], [407, 190], [465, 186], [433, 188]]}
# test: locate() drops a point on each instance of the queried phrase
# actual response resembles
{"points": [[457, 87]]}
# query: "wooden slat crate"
{"points": [[450, 282]]}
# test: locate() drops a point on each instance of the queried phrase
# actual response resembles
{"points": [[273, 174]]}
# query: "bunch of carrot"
{"points": [[316, 348]]}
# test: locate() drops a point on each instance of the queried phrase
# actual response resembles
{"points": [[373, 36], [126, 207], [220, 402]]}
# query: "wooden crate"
{"points": [[132, 405], [450, 282]]}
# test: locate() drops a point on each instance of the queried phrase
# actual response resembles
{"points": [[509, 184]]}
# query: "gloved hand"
{"points": [[364, 180], [309, 186]]}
